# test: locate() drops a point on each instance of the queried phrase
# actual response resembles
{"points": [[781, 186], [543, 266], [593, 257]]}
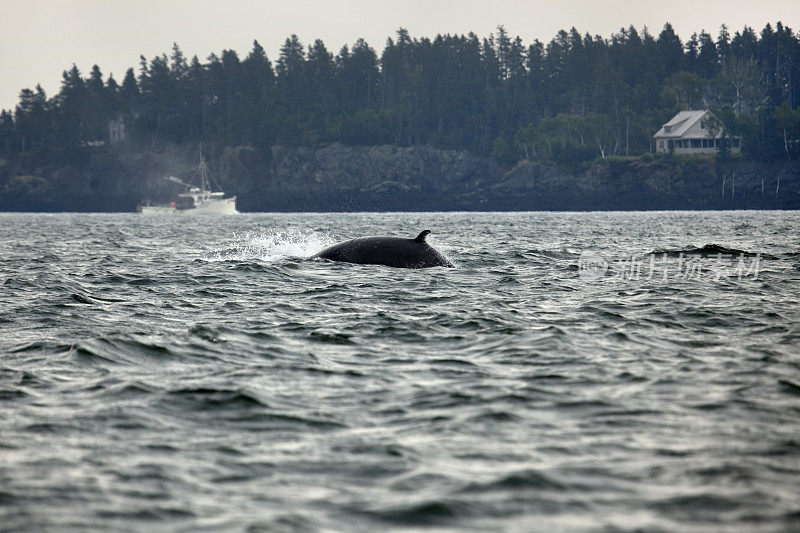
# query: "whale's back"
{"points": [[389, 251]]}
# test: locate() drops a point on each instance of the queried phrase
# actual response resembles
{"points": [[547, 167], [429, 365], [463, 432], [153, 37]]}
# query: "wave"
{"points": [[210, 397], [789, 386], [430, 512], [92, 299], [524, 479], [122, 349]]}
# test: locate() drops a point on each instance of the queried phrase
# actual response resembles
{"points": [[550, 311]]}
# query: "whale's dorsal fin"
{"points": [[422, 235]]}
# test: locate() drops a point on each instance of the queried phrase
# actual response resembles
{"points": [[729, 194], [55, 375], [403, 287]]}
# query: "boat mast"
{"points": [[205, 188]]}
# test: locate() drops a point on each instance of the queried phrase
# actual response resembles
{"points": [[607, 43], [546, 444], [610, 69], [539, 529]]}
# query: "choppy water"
{"points": [[202, 375]]}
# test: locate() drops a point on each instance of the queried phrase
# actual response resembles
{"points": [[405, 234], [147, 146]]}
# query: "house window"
{"points": [[696, 143]]}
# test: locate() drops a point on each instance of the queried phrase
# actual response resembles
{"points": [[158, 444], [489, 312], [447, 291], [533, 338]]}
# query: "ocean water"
{"points": [[575, 372]]}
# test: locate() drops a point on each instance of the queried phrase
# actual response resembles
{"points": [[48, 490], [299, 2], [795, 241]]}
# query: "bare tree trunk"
{"points": [[602, 152], [786, 144], [627, 135]]}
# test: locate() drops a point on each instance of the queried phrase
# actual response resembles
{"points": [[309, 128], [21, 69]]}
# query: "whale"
{"points": [[389, 251]]}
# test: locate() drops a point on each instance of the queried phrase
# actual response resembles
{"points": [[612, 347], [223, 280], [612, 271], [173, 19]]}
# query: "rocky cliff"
{"points": [[336, 177], [346, 178], [671, 183]]}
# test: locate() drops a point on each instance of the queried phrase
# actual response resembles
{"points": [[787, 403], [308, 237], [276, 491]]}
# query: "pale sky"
{"points": [[41, 38]]}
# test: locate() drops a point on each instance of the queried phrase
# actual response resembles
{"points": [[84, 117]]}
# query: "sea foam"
{"points": [[273, 246]]}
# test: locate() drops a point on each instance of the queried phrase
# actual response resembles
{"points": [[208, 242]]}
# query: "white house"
{"points": [[685, 134]]}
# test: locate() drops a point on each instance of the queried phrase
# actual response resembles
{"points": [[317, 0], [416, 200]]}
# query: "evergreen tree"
{"points": [[97, 110], [320, 72], [708, 57], [129, 92], [292, 87], [574, 98], [259, 87], [235, 117], [724, 43], [30, 117], [7, 131], [669, 50], [71, 107]]}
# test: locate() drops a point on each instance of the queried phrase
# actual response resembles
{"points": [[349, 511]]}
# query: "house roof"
{"points": [[681, 123]]}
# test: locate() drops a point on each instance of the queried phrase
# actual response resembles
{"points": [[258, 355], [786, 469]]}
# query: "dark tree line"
{"points": [[575, 98]]}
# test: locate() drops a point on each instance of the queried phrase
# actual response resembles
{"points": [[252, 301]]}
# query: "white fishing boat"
{"points": [[196, 201]]}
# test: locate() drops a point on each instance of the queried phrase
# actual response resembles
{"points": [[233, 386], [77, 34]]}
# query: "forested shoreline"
{"points": [[571, 103]]}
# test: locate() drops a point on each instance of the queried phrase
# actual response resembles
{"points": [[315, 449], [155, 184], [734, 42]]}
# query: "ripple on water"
{"points": [[185, 375]]}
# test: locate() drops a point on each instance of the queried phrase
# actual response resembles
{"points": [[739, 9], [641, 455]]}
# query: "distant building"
{"points": [[685, 134], [116, 130]]}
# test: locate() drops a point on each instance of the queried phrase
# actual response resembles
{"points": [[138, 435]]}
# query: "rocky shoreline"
{"points": [[338, 177]]}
